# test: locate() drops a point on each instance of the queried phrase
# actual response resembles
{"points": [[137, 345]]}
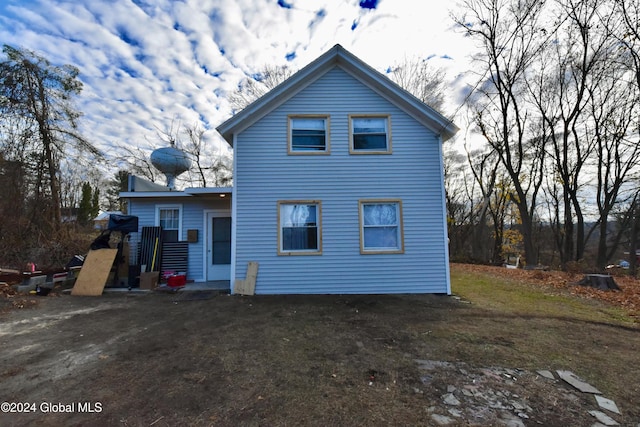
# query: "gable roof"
{"points": [[338, 56]]}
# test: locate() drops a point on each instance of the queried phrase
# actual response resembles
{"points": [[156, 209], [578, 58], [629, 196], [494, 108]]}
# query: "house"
{"points": [[101, 221], [338, 188]]}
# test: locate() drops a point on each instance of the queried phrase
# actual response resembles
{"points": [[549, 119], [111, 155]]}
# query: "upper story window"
{"points": [[299, 228], [369, 134], [308, 134], [381, 226], [169, 217]]}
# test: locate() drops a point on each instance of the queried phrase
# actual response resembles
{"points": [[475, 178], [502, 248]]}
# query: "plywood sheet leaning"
{"points": [[94, 273], [248, 285]]}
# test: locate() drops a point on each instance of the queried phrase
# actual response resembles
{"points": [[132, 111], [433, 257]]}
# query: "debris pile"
{"points": [[502, 396]]}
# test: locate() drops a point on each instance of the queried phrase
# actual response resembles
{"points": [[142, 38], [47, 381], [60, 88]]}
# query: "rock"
{"points": [[546, 374], [509, 420], [467, 392], [442, 420], [607, 404], [451, 389], [455, 413], [604, 418], [517, 405], [578, 383], [450, 399]]}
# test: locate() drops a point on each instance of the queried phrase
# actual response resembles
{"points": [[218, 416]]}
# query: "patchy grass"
{"points": [[502, 295]]}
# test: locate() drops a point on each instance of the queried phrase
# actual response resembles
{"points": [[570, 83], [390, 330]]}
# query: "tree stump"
{"points": [[603, 282]]}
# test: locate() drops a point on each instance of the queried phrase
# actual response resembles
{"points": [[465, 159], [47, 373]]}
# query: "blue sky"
{"points": [[146, 63]]}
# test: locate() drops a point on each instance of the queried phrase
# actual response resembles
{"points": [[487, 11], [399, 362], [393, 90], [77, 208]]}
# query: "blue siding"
{"points": [[265, 174], [193, 211]]}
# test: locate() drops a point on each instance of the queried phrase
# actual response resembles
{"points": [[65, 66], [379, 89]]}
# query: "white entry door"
{"points": [[218, 247]]}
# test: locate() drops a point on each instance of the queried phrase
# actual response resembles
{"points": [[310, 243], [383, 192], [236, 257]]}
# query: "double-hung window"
{"points": [[308, 134], [169, 217], [299, 228], [381, 226], [369, 134]]}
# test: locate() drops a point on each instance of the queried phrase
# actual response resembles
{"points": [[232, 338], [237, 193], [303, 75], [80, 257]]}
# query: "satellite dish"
{"points": [[171, 162]]}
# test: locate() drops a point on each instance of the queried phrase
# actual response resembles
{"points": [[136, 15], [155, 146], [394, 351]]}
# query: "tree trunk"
{"points": [[56, 213], [580, 243], [567, 228], [601, 259], [478, 243], [530, 253]]}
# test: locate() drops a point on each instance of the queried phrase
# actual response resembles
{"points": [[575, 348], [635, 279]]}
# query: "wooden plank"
{"points": [[252, 275], [94, 273], [239, 287], [248, 285]]}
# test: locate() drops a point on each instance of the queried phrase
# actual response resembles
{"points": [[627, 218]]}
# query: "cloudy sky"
{"points": [[148, 63]]}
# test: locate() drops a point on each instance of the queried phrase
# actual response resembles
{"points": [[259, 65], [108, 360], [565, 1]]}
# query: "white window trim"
{"points": [[365, 251], [318, 205], [327, 127], [353, 150], [171, 206]]}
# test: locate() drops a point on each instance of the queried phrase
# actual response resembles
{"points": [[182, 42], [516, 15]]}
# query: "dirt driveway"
{"points": [[200, 359]]}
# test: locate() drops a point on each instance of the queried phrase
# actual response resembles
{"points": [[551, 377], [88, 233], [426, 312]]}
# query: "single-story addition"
{"points": [[338, 189]]}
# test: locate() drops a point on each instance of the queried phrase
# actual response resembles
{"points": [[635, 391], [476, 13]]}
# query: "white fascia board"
{"points": [[188, 192], [151, 194], [209, 190]]}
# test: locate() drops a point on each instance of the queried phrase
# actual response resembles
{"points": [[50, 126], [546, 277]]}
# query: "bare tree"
{"points": [[626, 30], [213, 168], [418, 77], [458, 203], [510, 37], [254, 86], [484, 166], [627, 15], [634, 241], [137, 161], [614, 108], [559, 87]]}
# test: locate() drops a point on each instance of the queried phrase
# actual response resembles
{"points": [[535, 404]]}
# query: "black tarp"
{"points": [[123, 223]]}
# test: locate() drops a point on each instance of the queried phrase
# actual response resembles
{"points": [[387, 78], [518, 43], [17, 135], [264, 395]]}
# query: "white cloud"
{"points": [[146, 63]]}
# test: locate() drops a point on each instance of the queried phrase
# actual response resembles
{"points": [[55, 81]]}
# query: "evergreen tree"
{"points": [[85, 209]]}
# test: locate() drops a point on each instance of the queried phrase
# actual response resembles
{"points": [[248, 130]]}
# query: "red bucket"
{"points": [[177, 281]]}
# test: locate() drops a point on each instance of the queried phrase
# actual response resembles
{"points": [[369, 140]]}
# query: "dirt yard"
{"points": [[203, 359]]}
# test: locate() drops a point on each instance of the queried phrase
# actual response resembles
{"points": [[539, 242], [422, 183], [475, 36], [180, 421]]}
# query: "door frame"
{"points": [[207, 240]]}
